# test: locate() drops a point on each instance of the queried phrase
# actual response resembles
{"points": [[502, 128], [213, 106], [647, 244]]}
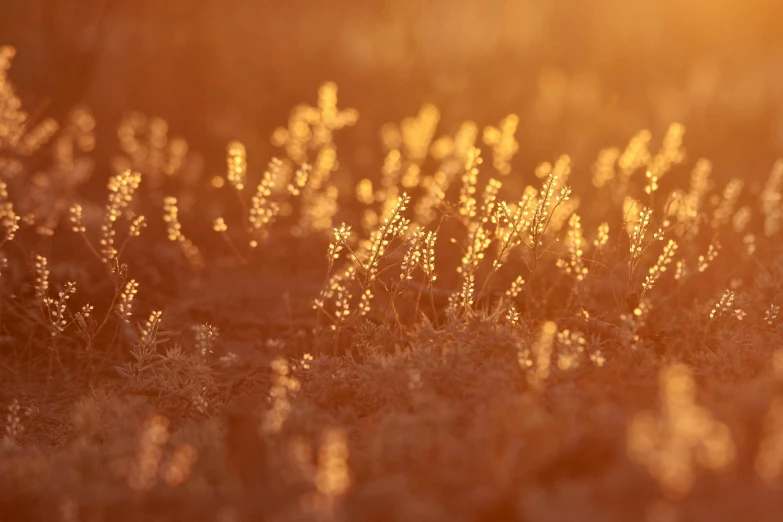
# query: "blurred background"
{"points": [[581, 74]]}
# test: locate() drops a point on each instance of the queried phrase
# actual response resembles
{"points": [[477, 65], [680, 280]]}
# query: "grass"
{"points": [[448, 340]]}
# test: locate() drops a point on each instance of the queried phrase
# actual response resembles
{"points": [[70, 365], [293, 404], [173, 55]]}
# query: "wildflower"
{"points": [[652, 183], [723, 306], [150, 328], [284, 387], [262, 210], [603, 235], [219, 225], [13, 425], [9, 221], [684, 434], [122, 188], [542, 355], [206, 335], [660, 265], [574, 264], [125, 305], [237, 165], [136, 226], [502, 141], [515, 288], [597, 357], [771, 314], [76, 218], [41, 266], [333, 477], [712, 253]]}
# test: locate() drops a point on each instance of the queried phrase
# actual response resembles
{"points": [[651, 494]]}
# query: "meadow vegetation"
{"points": [[447, 339]]}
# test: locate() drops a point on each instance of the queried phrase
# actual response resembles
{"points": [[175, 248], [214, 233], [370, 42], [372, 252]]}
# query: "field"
{"points": [[399, 320]]}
